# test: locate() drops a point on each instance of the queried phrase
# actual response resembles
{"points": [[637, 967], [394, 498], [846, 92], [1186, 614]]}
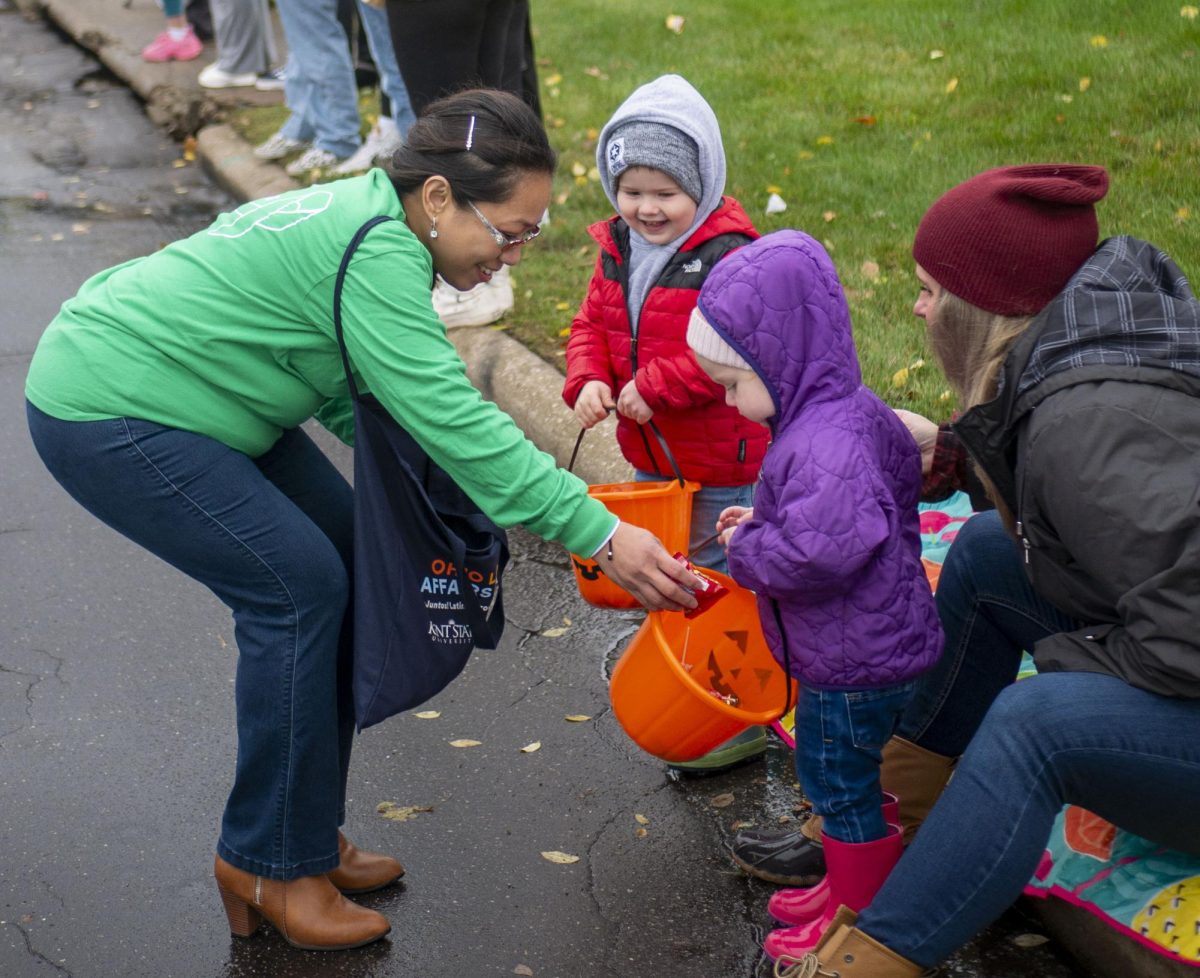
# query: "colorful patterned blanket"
{"points": [[1148, 893]]}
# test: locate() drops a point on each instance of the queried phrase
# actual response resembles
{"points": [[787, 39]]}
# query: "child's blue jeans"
{"points": [[708, 504], [839, 737]]}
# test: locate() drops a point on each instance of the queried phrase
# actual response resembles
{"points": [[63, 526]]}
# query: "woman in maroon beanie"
{"points": [[1078, 367]]}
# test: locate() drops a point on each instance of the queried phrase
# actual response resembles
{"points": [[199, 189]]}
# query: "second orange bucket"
{"points": [[663, 508], [684, 686]]}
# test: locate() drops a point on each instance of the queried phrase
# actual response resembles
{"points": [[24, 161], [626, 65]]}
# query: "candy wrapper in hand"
{"points": [[709, 592]]}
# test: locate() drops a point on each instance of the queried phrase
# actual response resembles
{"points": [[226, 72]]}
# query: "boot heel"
{"points": [[243, 918]]}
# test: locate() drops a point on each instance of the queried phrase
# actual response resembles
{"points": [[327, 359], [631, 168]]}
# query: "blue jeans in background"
{"points": [[1086, 739], [839, 737], [707, 505], [319, 84], [379, 42], [272, 537]]}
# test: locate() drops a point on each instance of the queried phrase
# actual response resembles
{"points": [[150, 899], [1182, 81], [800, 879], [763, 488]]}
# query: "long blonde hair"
{"points": [[971, 344]]}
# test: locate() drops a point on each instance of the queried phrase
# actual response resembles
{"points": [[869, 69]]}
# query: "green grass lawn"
{"points": [[859, 115]]}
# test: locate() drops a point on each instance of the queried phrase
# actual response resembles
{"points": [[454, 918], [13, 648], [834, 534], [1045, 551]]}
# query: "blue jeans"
{"points": [[839, 737], [319, 84], [707, 505], [272, 537], [1086, 739], [379, 42]]}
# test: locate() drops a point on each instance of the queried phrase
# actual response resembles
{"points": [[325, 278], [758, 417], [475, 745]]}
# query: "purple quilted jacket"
{"points": [[835, 540]]}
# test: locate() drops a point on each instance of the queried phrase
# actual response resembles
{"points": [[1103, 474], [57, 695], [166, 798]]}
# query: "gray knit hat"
{"points": [[659, 146], [706, 342]]}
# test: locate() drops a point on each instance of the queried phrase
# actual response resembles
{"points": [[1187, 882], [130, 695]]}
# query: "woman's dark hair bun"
{"points": [[480, 139]]}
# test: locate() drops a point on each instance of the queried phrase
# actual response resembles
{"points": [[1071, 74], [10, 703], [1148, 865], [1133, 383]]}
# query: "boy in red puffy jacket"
{"points": [[663, 167]]}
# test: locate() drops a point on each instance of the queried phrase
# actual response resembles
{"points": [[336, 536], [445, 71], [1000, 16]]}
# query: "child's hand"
{"points": [[924, 432], [730, 519], [631, 405], [593, 404]]}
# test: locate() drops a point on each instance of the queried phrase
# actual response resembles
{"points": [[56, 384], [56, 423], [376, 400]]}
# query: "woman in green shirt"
{"points": [[167, 398]]}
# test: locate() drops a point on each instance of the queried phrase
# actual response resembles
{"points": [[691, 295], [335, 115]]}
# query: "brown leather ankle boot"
{"points": [[309, 912], [359, 871], [846, 952]]}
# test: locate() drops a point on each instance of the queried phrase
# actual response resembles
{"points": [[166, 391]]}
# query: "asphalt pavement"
{"points": [[116, 707]]}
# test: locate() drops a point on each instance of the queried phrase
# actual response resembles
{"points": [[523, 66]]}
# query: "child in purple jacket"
{"points": [[831, 549]]}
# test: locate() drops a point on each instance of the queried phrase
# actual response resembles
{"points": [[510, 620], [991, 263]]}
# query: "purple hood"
{"points": [[834, 544]]}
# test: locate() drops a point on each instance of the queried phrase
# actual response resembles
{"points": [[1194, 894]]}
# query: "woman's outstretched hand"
{"points": [[643, 567]]}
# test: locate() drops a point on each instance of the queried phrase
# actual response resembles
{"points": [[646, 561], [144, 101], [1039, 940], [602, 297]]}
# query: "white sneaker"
{"points": [[277, 147], [381, 142], [313, 158], [271, 80], [214, 76], [483, 304]]}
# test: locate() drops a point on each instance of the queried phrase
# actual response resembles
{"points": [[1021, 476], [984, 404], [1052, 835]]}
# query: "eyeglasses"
{"points": [[503, 240]]}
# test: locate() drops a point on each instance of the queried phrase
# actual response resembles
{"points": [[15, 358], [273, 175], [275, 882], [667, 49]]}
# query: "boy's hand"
{"points": [[730, 519], [593, 404], [631, 405]]}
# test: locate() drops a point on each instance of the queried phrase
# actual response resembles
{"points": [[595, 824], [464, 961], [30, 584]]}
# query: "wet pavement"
{"points": [[116, 707]]}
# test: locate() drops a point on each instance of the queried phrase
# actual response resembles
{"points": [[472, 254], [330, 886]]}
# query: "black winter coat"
{"points": [[1094, 445]]}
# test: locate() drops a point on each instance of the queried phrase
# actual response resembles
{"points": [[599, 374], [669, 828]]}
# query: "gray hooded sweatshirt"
{"points": [[670, 100]]}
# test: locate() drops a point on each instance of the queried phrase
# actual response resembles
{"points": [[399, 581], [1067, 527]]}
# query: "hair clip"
{"points": [[471, 133]]}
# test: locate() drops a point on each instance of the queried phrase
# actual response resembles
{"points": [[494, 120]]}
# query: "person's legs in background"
{"points": [[320, 89], [396, 113], [245, 44], [178, 42]]}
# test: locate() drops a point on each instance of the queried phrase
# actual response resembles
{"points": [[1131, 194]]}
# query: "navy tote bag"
{"points": [[427, 561]]}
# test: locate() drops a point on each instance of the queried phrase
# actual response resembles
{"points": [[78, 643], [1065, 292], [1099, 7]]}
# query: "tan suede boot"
{"points": [[359, 871], [308, 912], [917, 777], [846, 952]]}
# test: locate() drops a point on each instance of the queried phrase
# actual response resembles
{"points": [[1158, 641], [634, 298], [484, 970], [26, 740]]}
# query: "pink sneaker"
{"points": [[166, 48]]}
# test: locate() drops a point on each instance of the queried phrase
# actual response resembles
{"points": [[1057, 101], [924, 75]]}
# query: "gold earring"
{"points": [[433, 232]]}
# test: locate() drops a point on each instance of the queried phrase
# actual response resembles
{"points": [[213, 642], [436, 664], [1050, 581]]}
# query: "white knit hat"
{"points": [[706, 342]]}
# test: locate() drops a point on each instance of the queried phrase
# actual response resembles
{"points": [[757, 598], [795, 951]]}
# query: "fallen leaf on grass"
{"points": [[465, 743], [400, 813], [864, 120], [1085, 84], [824, 140], [935, 55], [1098, 41], [722, 801], [428, 714], [776, 204], [577, 718], [562, 858], [951, 86], [1189, 12], [530, 748], [871, 270], [675, 23], [829, 216]]}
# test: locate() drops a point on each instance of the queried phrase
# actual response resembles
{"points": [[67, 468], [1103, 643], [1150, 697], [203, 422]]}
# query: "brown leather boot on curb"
{"points": [[308, 912], [917, 777], [846, 952], [359, 871]]}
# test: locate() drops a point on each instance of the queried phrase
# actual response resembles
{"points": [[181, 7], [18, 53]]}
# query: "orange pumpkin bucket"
{"points": [[663, 508], [684, 686]]}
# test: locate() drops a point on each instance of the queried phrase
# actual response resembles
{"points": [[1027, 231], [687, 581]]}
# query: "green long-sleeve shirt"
{"points": [[229, 333]]}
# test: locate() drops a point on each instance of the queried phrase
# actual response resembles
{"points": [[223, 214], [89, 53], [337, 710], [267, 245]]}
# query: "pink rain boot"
{"points": [[855, 872], [801, 905]]}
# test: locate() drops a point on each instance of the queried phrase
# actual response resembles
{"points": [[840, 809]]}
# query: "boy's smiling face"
{"points": [[654, 205]]}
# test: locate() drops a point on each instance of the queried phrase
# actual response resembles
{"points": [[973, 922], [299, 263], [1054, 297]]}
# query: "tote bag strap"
{"points": [[337, 294]]}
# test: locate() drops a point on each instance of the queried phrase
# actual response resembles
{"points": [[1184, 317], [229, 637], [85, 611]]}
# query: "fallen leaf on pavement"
{"points": [[722, 801], [577, 718], [563, 858], [400, 813], [1030, 940], [523, 969], [465, 743], [429, 714], [641, 819], [530, 748]]}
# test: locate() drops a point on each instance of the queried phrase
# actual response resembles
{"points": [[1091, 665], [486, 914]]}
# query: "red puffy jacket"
{"points": [[713, 444]]}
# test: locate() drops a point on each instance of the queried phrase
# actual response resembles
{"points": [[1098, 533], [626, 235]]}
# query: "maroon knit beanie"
{"points": [[1009, 239]]}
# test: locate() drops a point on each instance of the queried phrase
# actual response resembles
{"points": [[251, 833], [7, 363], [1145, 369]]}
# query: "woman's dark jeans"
{"points": [[1080, 738], [272, 537]]}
